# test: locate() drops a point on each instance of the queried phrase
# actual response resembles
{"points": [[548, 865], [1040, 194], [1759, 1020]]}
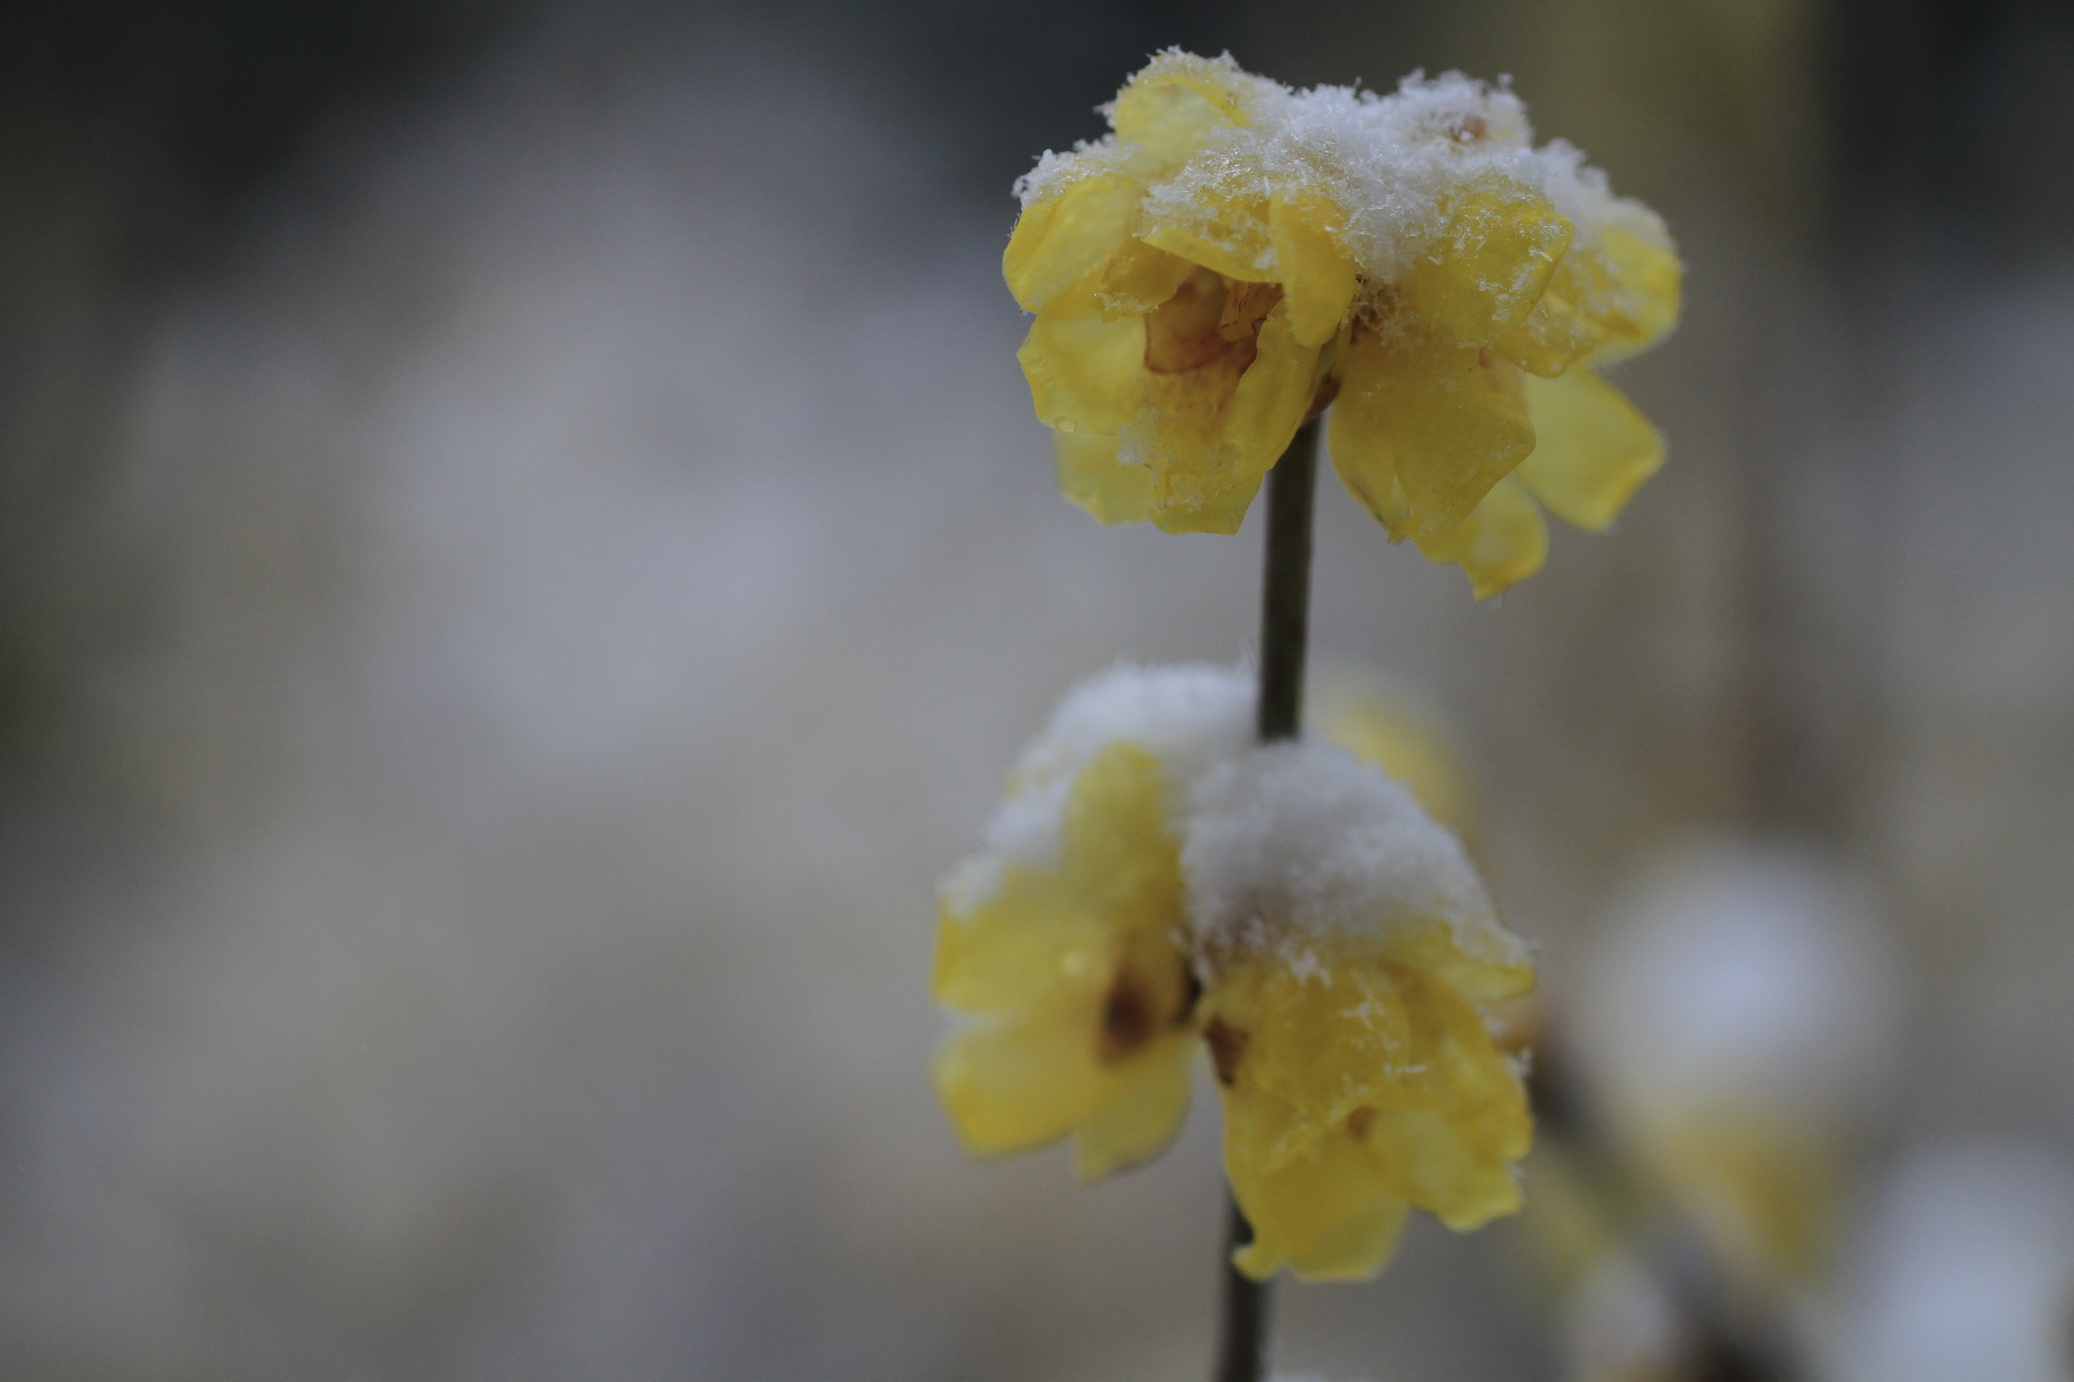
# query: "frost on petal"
{"points": [[1190, 717]]}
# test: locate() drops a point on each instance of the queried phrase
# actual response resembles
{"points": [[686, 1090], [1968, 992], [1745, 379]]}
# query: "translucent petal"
{"points": [[1488, 267], [1178, 100], [1032, 943], [1317, 274], [1218, 427], [1605, 301], [1326, 1216], [1139, 279], [1092, 476], [1356, 1082], [1484, 967], [1502, 542], [1059, 934], [1446, 421], [1086, 373], [1223, 230], [1645, 284], [1592, 449], [1061, 240], [1552, 337], [1364, 455], [1437, 1165], [1143, 1115], [1016, 1084]]}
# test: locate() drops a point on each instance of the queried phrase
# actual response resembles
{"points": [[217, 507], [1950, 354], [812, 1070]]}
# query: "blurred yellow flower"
{"points": [[1155, 875], [1235, 255]]}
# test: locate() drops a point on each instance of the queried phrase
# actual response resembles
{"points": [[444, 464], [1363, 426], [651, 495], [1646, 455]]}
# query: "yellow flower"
{"points": [[1155, 876], [1234, 255], [1350, 955], [1739, 1025], [1067, 938]]}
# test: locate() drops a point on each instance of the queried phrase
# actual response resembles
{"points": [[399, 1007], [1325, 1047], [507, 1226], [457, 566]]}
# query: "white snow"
{"points": [[1391, 162], [1281, 844], [1293, 841], [1192, 718]]}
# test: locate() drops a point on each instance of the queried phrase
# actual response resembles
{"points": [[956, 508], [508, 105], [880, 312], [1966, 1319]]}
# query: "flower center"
{"points": [[1208, 320]]}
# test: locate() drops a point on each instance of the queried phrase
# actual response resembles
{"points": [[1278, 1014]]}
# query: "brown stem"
{"points": [[1285, 598], [1285, 617], [1242, 1331]]}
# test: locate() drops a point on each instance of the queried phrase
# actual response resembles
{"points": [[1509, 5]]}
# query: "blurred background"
{"points": [[524, 553]]}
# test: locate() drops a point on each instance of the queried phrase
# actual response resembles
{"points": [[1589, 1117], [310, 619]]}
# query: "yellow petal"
{"points": [[1139, 279], [1080, 971], [1502, 542], [1143, 1115], [1317, 274], [1012, 1085], [1179, 100], [1447, 422], [1494, 256], [1086, 372], [1064, 238], [1058, 934], [1357, 1081], [1225, 229], [1645, 286], [1605, 301], [1592, 449], [1439, 1167], [1326, 1216], [1218, 428], [1092, 476], [1552, 337]]}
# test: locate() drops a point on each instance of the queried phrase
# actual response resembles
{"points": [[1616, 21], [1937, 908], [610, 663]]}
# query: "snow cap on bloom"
{"points": [[1156, 875], [1235, 254], [1739, 1021], [1349, 946]]}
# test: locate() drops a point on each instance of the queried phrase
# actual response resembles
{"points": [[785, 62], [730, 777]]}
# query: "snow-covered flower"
{"points": [[1235, 254], [1738, 1022], [1155, 876]]}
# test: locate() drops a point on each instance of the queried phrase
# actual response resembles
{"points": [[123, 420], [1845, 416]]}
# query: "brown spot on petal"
{"points": [[1128, 1020], [1360, 1121], [1191, 994], [1227, 1048]]}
